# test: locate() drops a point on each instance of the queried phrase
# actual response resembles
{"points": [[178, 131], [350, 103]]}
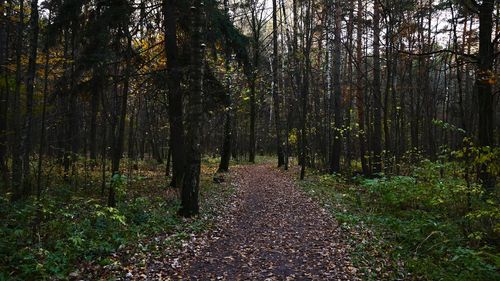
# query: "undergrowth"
{"points": [[69, 226], [430, 224]]}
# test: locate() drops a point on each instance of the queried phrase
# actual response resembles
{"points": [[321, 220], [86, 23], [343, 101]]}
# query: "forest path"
{"points": [[275, 232]]}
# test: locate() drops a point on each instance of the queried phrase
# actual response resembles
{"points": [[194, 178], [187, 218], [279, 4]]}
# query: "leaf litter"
{"points": [[270, 230], [273, 231]]}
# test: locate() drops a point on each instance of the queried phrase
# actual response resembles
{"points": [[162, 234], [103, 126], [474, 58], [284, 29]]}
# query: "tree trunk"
{"points": [[485, 78], [253, 84], [131, 136], [169, 160], [305, 88], [30, 88], [104, 142], [17, 165], [175, 113], [190, 188], [360, 90], [276, 98], [286, 98], [253, 106], [337, 89], [44, 113], [120, 135], [225, 156], [71, 138], [94, 108], [4, 93], [387, 92], [349, 96], [377, 99]]}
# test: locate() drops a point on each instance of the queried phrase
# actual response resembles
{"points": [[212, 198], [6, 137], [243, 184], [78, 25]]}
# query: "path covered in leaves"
{"points": [[273, 232]]}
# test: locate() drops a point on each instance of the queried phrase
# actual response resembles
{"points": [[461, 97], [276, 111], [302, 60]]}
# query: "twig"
{"points": [[427, 238]]}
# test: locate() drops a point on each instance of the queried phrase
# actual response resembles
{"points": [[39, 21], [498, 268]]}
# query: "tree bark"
{"points": [[255, 26], [377, 99], [253, 109], [4, 92], [94, 108], [337, 89], [131, 136], [305, 87], [484, 81], [349, 96], [360, 103], [190, 188], [30, 88], [175, 105], [387, 92], [225, 156], [44, 113], [17, 164], [276, 95], [120, 134]]}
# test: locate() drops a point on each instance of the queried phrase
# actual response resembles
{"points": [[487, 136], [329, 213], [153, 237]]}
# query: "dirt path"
{"points": [[275, 232]]}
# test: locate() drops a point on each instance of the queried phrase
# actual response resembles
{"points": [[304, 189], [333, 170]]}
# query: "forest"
{"points": [[249, 140]]}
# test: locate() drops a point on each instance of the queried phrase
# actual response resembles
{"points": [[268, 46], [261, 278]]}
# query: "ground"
{"points": [[272, 231]]}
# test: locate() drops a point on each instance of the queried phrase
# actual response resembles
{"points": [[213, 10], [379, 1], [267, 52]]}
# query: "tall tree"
{"points": [[41, 146], [485, 79], [4, 90], [377, 95], [121, 112], [191, 185], [30, 88], [306, 71], [276, 95], [347, 109], [360, 102], [296, 76], [256, 21], [337, 88], [174, 75], [17, 164], [228, 106]]}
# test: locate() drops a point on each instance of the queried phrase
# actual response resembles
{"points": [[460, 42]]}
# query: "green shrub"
{"points": [[432, 219], [50, 238]]}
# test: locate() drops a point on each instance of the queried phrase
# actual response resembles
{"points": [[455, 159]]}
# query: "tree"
{"points": [[191, 185], [360, 90], [377, 95], [174, 74], [4, 92], [306, 71], [337, 88], [120, 111], [256, 21], [225, 156], [276, 95], [485, 78], [30, 88], [17, 164]]}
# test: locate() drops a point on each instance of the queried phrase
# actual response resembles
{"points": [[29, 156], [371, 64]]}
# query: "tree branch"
{"points": [[472, 57]]}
